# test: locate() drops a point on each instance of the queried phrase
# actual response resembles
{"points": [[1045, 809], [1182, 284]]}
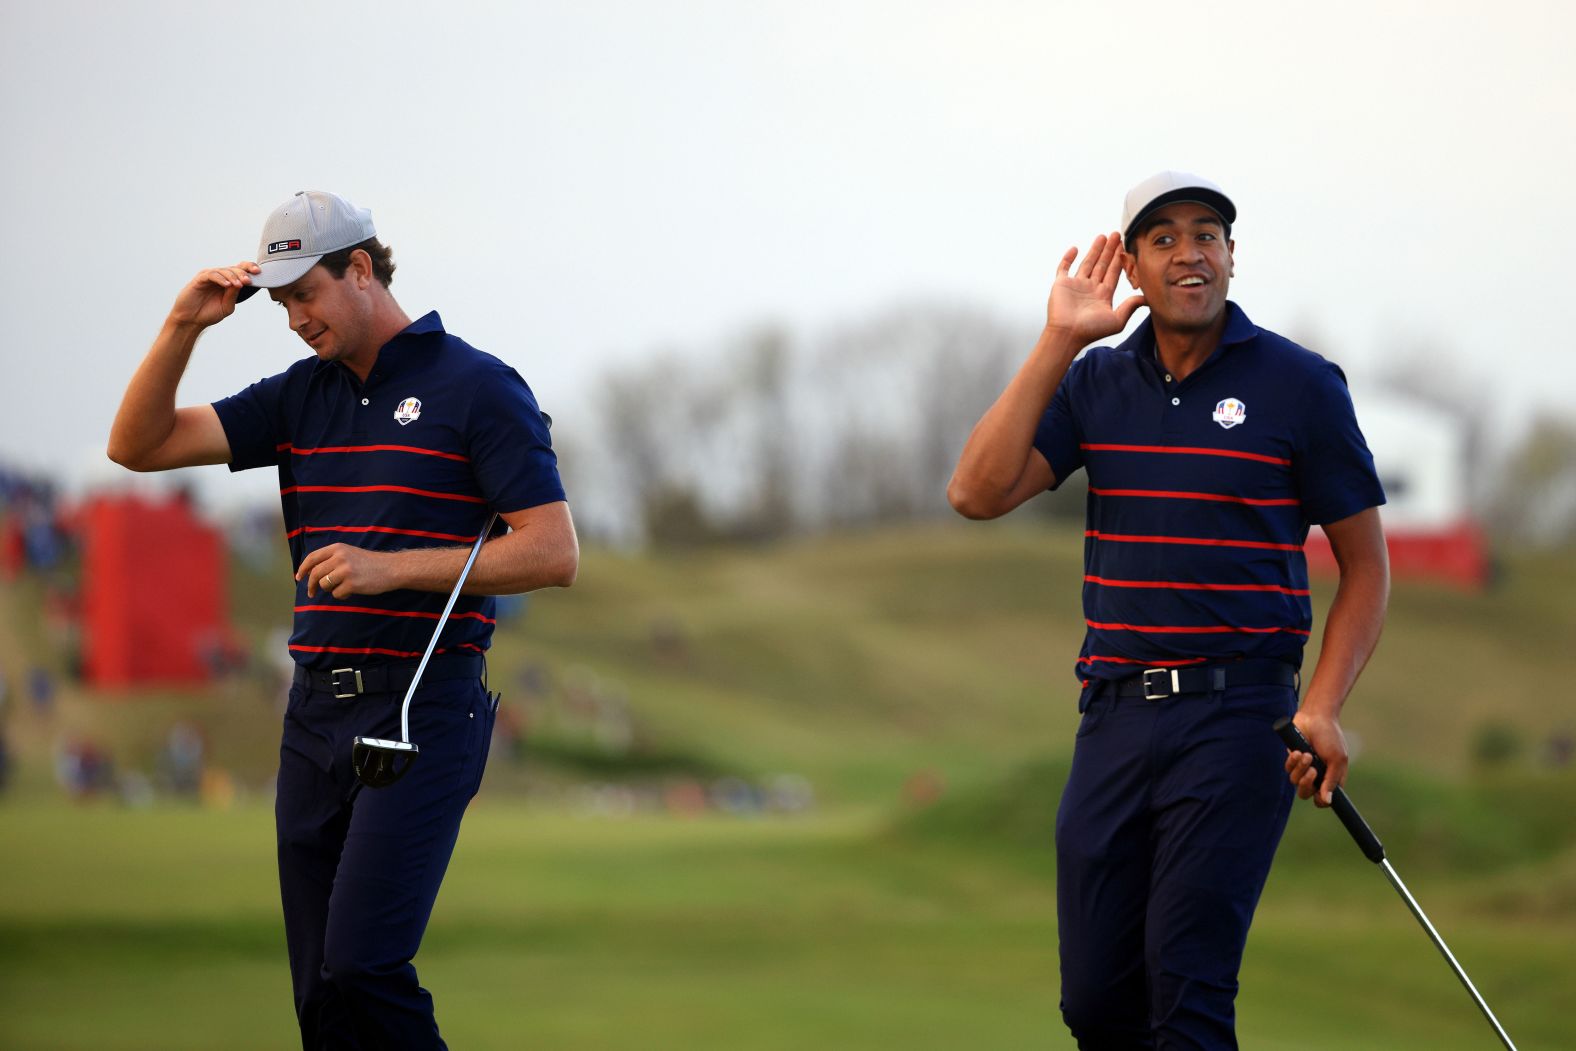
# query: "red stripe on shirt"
{"points": [[1130, 538], [380, 489], [1166, 494], [1169, 629], [472, 615], [378, 529], [1180, 586], [1189, 450], [296, 451], [1153, 664], [365, 651]]}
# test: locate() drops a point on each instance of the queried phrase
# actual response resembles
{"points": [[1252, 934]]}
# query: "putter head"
{"points": [[379, 763]]}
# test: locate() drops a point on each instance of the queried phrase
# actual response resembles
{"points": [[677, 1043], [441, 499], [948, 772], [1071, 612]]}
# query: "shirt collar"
{"points": [[396, 352]]}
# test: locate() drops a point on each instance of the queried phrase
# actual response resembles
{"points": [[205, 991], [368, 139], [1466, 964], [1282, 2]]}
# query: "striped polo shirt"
{"points": [[1201, 493], [439, 435]]}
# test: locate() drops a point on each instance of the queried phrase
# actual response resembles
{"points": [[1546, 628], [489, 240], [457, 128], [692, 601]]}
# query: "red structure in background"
{"points": [[154, 596], [1457, 555], [1420, 451]]}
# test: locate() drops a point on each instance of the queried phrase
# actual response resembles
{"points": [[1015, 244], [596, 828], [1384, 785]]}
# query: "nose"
{"points": [[298, 317]]}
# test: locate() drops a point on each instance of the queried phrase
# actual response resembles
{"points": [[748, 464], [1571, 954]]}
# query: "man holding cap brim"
{"points": [[393, 441], [1211, 446]]}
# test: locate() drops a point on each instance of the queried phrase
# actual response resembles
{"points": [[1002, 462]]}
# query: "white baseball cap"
{"points": [[303, 230], [1157, 191]]}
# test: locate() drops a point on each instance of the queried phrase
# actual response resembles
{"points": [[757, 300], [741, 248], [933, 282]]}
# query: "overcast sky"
{"points": [[579, 184]]}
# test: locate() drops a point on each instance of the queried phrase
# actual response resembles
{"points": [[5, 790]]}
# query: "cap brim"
{"points": [[279, 273], [1218, 203]]}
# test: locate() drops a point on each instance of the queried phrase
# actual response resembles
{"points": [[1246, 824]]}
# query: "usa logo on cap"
{"points": [[1229, 412], [409, 411]]}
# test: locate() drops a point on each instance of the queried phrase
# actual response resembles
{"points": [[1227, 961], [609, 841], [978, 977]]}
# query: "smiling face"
{"points": [[1181, 261], [334, 315]]}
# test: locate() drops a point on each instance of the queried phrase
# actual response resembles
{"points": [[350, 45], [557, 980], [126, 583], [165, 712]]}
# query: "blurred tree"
{"points": [[859, 426], [1535, 499], [765, 383], [893, 401]]}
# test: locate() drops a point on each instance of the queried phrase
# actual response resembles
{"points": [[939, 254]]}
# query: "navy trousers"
{"points": [[359, 868], [1164, 838]]}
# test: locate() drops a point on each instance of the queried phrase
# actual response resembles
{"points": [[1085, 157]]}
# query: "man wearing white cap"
{"points": [[1211, 445], [393, 441]]}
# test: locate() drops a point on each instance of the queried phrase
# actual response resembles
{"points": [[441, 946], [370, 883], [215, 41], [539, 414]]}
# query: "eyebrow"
{"points": [[1203, 220]]}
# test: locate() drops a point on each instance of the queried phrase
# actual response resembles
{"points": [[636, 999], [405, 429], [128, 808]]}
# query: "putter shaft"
{"points": [[372, 758], [1444, 950], [1369, 844], [443, 618]]}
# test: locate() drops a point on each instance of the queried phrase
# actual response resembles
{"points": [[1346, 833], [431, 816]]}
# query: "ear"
{"points": [[1231, 258], [361, 268], [1130, 267]]}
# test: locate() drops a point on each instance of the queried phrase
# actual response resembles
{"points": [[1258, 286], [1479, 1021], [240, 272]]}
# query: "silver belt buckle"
{"points": [[333, 678], [1149, 685]]}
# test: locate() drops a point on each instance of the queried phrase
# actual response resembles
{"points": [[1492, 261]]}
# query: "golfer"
{"points": [[393, 440], [1211, 444]]}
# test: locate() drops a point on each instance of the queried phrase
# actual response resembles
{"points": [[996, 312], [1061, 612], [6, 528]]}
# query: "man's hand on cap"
{"points": [[210, 296]]}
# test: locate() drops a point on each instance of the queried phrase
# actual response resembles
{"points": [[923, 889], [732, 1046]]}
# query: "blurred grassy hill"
{"points": [[860, 656], [858, 661]]}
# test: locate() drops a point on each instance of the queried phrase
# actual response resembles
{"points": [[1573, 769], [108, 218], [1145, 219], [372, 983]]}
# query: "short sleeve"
{"points": [[1334, 469], [510, 447], [254, 424], [1056, 438]]}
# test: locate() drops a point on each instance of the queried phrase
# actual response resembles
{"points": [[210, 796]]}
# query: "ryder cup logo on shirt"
{"points": [[1230, 412], [409, 411]]}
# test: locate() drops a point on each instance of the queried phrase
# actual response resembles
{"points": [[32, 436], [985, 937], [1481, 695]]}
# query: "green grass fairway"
{"points": [[159, 929]]}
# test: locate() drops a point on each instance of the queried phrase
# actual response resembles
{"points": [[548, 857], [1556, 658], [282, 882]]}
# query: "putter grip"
{"points": [[1364, 836]]}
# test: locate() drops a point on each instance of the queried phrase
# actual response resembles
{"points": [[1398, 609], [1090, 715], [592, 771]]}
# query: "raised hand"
{"points": [[210, 296], [1080, 304]]}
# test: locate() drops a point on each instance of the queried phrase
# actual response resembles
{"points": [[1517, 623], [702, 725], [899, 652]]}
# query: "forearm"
{"points": [[997, 451], [507, 565], [146, 417], [1351, 634]]}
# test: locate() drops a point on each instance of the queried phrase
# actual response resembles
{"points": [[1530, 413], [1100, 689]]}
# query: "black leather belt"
{"points": [[1156, 684], [390, 678]]}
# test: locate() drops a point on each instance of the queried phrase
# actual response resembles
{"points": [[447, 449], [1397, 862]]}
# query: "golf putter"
{"points": [[379, 763], [1373, 850]]}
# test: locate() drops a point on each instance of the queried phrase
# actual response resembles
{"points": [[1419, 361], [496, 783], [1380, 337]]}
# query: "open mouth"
{"points": [[1191, 281]]}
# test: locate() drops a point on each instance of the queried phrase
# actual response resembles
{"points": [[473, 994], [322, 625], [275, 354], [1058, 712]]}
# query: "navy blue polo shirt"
{"points": [[439, 435], [1201, 494]]}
